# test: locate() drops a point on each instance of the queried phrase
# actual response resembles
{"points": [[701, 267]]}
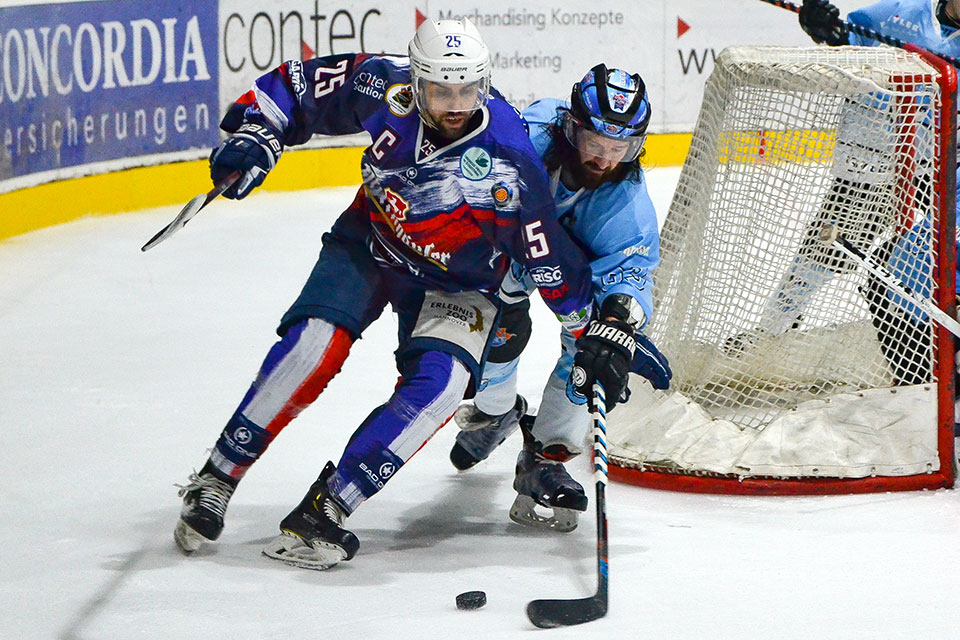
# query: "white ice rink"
{"points": [[119, 369]]}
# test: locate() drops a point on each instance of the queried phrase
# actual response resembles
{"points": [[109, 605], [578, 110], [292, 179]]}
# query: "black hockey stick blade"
{"points": [[548, 614], [189, 210]]}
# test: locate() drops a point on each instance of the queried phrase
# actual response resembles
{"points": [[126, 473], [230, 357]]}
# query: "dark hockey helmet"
{"points": [[611, 104]]}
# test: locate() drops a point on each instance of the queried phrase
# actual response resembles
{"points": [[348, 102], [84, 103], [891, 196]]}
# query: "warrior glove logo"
{"points": [[578, 377]]}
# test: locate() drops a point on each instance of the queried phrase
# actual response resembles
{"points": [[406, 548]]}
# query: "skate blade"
{"points": [[186, 538], [524, 511], [296, 552]]}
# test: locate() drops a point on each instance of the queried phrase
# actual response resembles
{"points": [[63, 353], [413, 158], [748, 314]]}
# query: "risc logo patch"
{"points": [[475, 164], [547, 276]]}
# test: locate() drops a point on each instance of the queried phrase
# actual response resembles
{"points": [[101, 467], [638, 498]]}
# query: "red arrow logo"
{"points": [[420, 18], [682, 27]]}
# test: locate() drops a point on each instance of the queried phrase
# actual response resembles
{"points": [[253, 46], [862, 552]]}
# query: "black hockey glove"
{"points": [[253, 150], [821, 21], [604, 353]]}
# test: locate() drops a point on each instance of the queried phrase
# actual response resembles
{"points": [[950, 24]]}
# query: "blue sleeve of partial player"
{"points": [[619, 226], [300, 99], [908, 20], [871, 17]]}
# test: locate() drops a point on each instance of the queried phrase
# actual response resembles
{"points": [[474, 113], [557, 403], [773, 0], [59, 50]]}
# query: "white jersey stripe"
{"points": [[290, 373], [431, 417]]}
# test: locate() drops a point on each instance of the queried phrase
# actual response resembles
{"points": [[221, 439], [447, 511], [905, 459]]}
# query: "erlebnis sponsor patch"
{"points": [[399, 99], [476, 163], [463, 318]]}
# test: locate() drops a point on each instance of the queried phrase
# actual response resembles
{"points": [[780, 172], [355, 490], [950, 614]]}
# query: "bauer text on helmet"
{"points": [[609, 114], [450, 73]]}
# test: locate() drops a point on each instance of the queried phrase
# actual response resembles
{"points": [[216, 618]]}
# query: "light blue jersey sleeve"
{"points": [[617, 226], [908, 20]]}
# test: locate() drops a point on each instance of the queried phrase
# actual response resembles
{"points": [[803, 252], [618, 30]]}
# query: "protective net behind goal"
{"points": [[815, 178]]}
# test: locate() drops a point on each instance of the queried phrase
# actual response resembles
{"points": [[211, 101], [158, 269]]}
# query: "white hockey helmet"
{"points": [[449, 52]]}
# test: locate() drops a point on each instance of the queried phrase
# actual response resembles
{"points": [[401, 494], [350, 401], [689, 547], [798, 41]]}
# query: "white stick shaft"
{"points": [[939, 315]]}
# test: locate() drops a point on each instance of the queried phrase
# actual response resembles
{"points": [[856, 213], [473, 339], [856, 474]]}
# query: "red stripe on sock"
{"points": [[329, 366]]}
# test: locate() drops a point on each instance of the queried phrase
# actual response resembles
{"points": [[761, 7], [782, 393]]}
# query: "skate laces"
{"points": [[214, 492], [333, 511], [539, 474]]}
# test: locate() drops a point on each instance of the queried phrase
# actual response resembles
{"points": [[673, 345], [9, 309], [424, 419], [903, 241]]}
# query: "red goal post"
{"points": [[792, 374]]}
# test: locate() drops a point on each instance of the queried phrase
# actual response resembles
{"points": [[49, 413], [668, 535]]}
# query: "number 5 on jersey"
{"points": [[536, 240]]}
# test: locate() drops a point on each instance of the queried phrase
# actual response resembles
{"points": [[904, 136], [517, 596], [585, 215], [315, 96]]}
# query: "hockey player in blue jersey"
{"points": [[932, 25], [452, 191], [590, 147]]}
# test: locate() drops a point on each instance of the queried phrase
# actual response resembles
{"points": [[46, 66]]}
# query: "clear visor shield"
{"points": [[439, 98], [594, 143]]}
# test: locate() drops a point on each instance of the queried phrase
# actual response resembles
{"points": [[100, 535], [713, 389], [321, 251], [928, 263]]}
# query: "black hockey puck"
{"points": [[471, 600]]}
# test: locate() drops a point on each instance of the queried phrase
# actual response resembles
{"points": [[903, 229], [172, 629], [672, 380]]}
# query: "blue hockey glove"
{"points": [[821, 21], [650, 363], [253, 150]]}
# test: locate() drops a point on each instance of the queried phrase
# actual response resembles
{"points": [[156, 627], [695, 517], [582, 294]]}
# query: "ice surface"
{"points": [[119, 368]]}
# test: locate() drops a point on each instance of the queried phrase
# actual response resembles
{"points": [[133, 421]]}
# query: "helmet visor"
{"points": [[585, 137], [437, 98]]}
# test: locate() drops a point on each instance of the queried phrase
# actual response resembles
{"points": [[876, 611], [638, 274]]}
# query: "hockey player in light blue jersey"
{"points": [[935, 26], [453, 190], [590, 147]]}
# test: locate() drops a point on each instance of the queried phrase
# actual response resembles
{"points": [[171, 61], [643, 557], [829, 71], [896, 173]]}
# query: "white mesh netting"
{"points": [[789, 358]]}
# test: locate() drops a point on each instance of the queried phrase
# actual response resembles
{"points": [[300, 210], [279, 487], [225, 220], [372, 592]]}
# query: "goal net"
{"points": [[796, 369]]}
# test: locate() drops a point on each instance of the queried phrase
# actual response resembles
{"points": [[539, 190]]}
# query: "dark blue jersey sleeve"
{"points": [[559, 268], [319, 96]]}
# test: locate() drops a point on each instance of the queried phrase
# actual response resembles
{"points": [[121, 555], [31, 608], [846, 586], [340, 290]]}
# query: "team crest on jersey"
{"points": [[502, 194], [400, 99], [476, 163], [396, 204]]}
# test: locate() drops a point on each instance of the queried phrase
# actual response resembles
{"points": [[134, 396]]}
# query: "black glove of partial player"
{"points": [[604, 353], [253, 151], [821, 21]]}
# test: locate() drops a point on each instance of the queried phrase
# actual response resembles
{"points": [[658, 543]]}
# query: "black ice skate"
{"points": [[544, 482], [205, 500], [481, 432], [312, 535]]}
